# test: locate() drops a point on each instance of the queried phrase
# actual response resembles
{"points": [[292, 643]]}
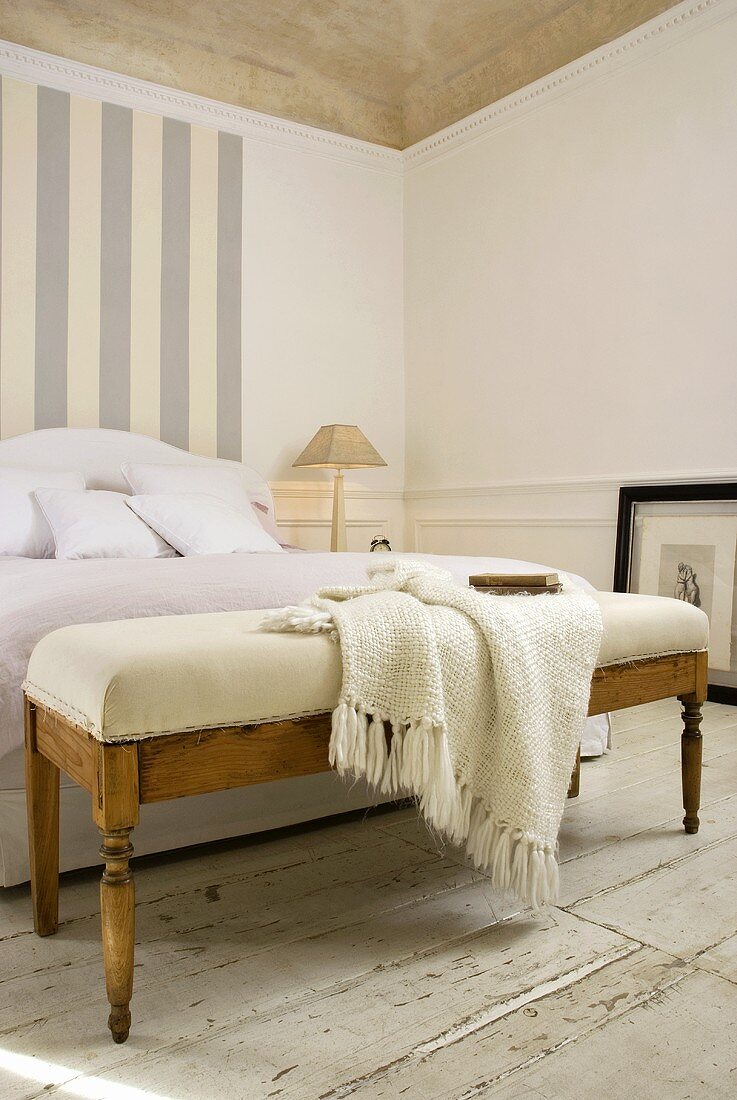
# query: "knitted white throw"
{"points": [[486, 697]]}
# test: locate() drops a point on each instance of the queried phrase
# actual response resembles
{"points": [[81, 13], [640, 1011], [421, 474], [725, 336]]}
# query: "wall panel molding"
{"points": [[558, 522], [604, 483], [314, 534], [326, 524], [579, 544], [51, 71], [643, 42], [304, 514], [288, 490], [423, 526]]}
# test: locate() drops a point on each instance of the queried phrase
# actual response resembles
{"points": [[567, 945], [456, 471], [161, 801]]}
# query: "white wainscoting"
{"points": [[579, 545], [560, 522], [304, 515], [570, 524]]}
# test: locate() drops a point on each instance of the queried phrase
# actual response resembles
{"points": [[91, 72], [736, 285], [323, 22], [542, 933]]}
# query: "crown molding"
{"points": [[595, 484], [643, 42], [77, 78], [652, 37]]}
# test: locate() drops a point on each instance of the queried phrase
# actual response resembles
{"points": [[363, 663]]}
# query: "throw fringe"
{"points": [[418, 760], [299, 617]]}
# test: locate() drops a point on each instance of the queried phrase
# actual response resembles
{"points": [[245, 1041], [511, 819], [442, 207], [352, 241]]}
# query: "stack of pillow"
{"points": [[172, 510]]}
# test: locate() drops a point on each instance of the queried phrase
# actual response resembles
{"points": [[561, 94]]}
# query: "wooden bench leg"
{"points": [[115, 809], [691, 744], [42, 800], [117, 905], [691, 763], [574, 786]]}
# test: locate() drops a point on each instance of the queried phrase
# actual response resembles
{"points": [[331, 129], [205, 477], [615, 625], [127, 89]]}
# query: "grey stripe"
{"points": [[52, 258], [230, 220], [115, 267], [176, 154]]}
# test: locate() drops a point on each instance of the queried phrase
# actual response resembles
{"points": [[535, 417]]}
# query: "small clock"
{"points": [[381, 544]]}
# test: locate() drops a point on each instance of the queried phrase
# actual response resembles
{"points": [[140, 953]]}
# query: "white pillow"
{"points": [[24, 531], [221, 482], [95, 523], [195, 523], [224, 482]]}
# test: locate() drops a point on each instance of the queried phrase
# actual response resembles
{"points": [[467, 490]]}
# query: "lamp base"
{"points": [[337, 534]]}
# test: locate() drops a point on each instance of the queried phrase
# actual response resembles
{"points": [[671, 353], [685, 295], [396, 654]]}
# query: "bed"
{"points": [[40, 595]]}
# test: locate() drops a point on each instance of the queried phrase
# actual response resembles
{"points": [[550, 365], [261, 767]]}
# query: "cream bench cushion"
{"points": [[139, 678]]}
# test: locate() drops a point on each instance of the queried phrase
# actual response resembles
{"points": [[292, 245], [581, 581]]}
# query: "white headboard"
{"points": [[97, 453]]}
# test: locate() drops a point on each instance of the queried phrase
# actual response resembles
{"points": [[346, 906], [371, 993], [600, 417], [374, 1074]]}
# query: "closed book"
{"points": [[517, 589], [513, 580]]}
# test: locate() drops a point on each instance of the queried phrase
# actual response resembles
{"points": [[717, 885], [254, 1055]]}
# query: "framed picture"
{"points": [[681, 541]]}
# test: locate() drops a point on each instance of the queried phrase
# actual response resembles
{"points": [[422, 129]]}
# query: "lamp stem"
{"points": [[337, 534]]}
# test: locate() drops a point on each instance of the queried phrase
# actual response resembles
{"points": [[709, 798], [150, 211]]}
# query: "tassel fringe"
{"points": [[418, 760], [302, 618]]}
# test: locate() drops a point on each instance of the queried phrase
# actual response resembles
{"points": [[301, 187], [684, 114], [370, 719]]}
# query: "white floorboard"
{"points": [[355, 959]]}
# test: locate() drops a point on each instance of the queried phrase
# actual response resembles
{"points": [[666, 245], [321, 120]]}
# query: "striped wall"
{"points": [[120, 271]]}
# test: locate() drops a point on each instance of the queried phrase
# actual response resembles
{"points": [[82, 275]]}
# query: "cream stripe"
{"points": [[203, 292], [18, 264], [146, 275], [83, 344]]}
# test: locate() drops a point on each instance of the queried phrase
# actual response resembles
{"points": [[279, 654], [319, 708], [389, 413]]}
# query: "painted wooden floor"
{"points": [[355, 960]]}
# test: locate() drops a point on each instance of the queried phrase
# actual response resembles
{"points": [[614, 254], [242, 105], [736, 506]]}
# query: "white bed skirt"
{"points": [[200, 818], [179, 823]]}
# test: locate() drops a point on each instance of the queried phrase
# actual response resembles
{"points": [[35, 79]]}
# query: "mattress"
{"points": [[40, 595]]}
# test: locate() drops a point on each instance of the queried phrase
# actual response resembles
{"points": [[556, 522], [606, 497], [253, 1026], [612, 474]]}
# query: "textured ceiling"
{"points": [[390, 71]]}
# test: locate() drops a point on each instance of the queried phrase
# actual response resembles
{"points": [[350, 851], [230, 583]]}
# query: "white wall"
{"points": [[571, 308], [323, 332]]}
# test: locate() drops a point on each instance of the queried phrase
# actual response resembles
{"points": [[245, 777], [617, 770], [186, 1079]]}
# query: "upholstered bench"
{"points": [[144, 710]]}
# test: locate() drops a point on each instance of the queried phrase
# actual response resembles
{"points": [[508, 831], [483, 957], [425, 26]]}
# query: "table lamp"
{"points": [[339, 447]]}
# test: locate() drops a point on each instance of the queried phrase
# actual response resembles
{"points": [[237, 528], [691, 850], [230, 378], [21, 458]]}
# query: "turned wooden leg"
{"points": [[42, 800], [575, 784], [691, 764], [117, 904], [691, 743]]}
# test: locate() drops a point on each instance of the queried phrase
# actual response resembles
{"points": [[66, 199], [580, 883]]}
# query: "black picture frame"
{"points": [[632, 495]]}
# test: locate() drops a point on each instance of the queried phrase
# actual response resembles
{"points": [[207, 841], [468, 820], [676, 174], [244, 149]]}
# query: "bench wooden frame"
{"points": [[121, 776]]}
